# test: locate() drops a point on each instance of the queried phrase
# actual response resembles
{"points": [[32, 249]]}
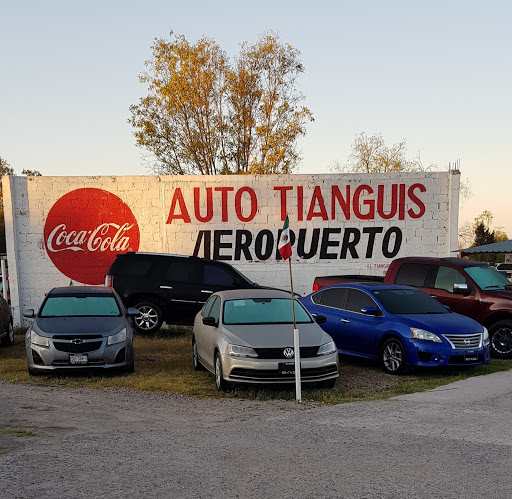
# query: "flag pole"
{"points": [[296, 343]]}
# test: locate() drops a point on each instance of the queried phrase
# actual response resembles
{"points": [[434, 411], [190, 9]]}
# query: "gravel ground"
{"points": [[452, 442]]}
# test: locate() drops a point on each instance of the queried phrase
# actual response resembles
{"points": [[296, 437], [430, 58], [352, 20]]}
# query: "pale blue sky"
{"points": [[436, 73]]}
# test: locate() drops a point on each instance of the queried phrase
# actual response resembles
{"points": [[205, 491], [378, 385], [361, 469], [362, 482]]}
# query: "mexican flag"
{"points": [[285, 246]]}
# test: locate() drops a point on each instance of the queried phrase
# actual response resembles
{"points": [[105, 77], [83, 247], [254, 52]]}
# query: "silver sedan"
{"points": [[80, 327], [246, 336]]}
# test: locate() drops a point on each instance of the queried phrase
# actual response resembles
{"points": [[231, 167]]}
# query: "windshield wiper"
{"points": [[495, 286]]}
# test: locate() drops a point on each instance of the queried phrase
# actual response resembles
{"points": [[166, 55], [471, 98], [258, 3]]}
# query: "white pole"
{"points": [[4, 279], [296, 342]]}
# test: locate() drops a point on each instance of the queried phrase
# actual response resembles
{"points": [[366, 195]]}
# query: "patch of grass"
{"points": [[163, 363], [17, 432]]}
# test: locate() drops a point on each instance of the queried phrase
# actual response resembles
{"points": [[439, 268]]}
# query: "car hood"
{"points": [[275, 335], [504, 294], [105, 326], [451, 323]]}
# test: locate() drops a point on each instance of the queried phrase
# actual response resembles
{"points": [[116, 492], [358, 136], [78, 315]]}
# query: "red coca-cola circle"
{"points": [[85, 230]]}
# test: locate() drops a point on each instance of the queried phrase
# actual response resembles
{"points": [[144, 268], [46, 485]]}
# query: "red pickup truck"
{"points": [[470, 288]]}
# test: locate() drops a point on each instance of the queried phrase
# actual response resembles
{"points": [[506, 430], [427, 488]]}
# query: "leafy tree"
{"points": [[484, 235], [205, 115]]}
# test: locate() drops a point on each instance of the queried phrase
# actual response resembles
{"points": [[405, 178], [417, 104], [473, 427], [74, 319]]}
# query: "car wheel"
{"points": [[327, 384], [33, 372], [150, 318], [9, 339], [195, 357], [392, 356], [500, 334], [220, 384]]}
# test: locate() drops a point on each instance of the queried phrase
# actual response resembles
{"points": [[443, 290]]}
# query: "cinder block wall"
{"points": [[342, 223]]}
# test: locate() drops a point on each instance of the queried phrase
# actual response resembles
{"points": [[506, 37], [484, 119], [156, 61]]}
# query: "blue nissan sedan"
{"points": [[398, 325]]}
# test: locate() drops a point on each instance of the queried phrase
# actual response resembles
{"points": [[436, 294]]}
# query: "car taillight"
{"points": [[316, 287], [109, 281]]}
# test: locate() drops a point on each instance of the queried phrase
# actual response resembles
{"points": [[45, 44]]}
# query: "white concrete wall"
{"points": [[421, 208]]}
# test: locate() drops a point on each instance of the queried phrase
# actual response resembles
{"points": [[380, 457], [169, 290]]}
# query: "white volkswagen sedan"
{"points": [[246, 336]]}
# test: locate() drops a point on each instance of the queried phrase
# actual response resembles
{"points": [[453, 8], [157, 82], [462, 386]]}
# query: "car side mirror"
{"points": [[461, 289], [132, 312], [29, 313], [370, 311], [320, 319], [209, 321]]}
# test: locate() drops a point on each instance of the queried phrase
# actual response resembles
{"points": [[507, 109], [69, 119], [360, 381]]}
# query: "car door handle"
{"points": [[206, 291], [346, 321], [165, 287]]}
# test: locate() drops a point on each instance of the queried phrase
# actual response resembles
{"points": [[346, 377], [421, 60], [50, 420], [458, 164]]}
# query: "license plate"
{"points": [[470, 356], [78, 359], [286, 368]]}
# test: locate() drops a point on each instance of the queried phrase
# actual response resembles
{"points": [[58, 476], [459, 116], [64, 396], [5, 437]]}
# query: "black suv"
{"points": [[170, 288]]}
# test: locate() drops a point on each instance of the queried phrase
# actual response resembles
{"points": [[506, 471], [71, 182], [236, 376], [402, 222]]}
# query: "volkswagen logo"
{"points": [[467, 341], [288, 353]]}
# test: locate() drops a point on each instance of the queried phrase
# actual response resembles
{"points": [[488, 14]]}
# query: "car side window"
{"points": [[446, 277], [217, 275], [357, 300], [183, 270], [208, 306], [135, 267], [412, 274], [316, 298], [334, 297], [215, 310]]}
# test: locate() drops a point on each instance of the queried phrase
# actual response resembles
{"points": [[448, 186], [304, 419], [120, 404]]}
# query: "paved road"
{"points": [[453, 442]]}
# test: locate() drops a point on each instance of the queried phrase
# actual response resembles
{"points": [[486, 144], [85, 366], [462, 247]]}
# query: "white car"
{"points": [[246, 336]]}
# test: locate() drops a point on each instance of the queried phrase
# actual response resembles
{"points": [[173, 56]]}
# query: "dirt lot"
{"points": [[62, 442]]}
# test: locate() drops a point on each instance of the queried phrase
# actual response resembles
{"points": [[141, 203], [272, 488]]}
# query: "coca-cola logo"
{"points": [[84, 231]]}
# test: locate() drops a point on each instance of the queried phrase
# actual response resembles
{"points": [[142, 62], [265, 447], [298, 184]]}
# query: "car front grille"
{"points": [[278, 353], [309, 374], [85, 346], [462, 341]]}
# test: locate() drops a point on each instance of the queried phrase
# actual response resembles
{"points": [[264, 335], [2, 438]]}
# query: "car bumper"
{"points": [[421, 353], [254, 370], [106, 357]]}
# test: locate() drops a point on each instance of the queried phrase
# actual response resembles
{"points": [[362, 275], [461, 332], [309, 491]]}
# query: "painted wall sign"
{"points": [[70, 228], [85, 229]]}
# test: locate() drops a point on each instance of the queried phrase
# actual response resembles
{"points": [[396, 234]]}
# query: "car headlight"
{"points": [[36, 339], [327, 348], [239, 351], [421, 334], [117, 338], [486, 334]]}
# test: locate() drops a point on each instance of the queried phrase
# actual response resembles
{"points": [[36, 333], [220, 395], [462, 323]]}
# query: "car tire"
{"points": [[150, 318], [220, 384], [196, 364], [500, 336], [328, 384], [33, 372], [392, 356], [9, 339]]}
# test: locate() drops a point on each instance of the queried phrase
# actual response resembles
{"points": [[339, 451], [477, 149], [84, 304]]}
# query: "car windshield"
{"points": [[244, 277], [264, 311], [409, 301], [486, 277], [80, 306]]}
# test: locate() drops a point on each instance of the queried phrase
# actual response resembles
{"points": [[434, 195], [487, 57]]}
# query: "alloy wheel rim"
{"points": [[502, 340], [218, 374], [393, 357], [194, 354], [147, 318], [11, 333]]}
